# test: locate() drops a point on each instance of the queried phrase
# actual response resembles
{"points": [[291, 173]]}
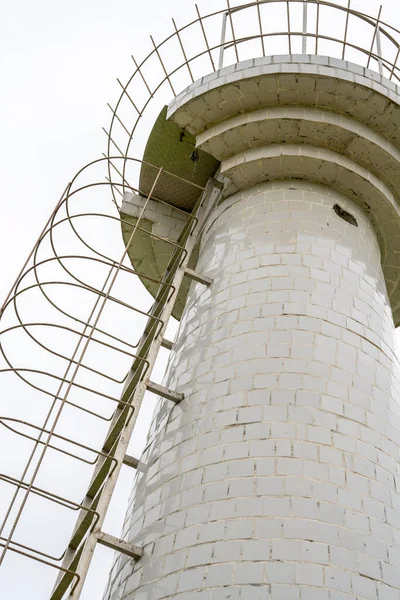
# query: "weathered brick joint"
{"points": [[278, 475]]}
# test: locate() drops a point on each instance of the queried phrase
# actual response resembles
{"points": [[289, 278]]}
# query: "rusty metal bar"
{"points": [[105, 539], [346, 29], [163, 66], [165, 343], [374, 36], [233, 30], [288, 25], [200, 19], [164, 392], [304, 38], [183, 50], [198, 277]]}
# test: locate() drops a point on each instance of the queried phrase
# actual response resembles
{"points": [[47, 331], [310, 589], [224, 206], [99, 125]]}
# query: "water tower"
{"points": [[265, 217]]}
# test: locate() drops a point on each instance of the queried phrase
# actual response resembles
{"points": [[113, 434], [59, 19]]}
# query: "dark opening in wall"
{"points": [[346, 216]]}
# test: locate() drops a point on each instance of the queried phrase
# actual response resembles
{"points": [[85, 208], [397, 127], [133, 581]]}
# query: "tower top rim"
{"points": [[220, 40]]}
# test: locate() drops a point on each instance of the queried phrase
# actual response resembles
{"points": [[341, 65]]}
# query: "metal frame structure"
{"points": [[61, 387], [198, 59], [106, 462]]}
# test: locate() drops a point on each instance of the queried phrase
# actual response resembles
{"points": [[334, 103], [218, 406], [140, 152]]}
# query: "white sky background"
{"points": [[58, 65]]}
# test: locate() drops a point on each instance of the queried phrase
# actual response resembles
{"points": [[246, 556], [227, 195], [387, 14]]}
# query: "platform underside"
{"points": [[169, 147]]}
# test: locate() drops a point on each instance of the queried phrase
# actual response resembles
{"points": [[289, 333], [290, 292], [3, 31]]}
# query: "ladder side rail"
{"points": [[150, 347], [91, 540]]}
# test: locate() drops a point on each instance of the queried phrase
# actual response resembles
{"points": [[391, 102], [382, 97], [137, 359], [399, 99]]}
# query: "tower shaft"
{"points": [[276, 477]]}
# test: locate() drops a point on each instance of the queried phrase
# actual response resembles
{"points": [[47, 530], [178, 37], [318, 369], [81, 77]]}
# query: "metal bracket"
{"points": [[130, 461], [160, 390], [167, 344], [197, 277], [105, 539]]}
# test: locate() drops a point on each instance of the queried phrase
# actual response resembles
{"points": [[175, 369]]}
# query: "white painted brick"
{"points": [[191, 579], [309, 593], [309, 574], [364, 587], [280, 572], [336, 579], [255, 550], [314, 552], [284, 592], [227, 551], [219, 575], [199, 555]]}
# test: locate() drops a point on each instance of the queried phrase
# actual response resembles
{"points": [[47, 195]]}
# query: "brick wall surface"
{"points": [[277, 476]]}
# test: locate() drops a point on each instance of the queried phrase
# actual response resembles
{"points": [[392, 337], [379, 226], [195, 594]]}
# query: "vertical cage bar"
{"points": [[394, 63], [223, 36], [260, 26], [204, 206], [183, 51], [288, 24], [163, 66], [304, 40], [233, 30], [374, 36], [379, 50], [346, 29], [205, 37]]}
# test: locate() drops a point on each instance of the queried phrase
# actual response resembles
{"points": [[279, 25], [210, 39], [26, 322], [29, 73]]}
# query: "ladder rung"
{"points": [[167, 344], [197, 277], [160, 390], [130, 461], [105, 539]]}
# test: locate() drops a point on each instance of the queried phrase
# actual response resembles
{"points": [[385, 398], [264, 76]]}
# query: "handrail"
{"points": [[184, 68]]}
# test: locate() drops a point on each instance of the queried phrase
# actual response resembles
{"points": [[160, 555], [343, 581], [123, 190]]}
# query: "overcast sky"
{"points": [[58, 63]]}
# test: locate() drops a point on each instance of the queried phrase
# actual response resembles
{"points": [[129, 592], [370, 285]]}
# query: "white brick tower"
{"points": [[277, 476]]}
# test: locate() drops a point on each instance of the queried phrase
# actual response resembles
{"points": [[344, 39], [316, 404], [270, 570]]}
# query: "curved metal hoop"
{"points": [[63, 338]]}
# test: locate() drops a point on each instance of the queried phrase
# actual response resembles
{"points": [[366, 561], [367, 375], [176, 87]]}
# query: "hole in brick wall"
{"points": [[346, 216]]}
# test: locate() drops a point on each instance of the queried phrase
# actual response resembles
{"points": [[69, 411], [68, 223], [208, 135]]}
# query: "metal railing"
{"points": [[236, 33], [73, 355]]}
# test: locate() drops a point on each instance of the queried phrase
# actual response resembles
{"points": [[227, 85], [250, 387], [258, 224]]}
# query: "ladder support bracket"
{"points": [[160, 390], [130, 461], [167, 344], [105, 539], [198, 277]]}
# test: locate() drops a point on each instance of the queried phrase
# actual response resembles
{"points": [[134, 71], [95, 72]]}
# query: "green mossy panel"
{"points": [[150, 256], [164, 149]]}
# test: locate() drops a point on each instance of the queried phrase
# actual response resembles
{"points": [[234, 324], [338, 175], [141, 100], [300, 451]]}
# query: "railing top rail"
{"points": [[192, 50]]}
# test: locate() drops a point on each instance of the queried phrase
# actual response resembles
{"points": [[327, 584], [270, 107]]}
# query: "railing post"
{"points": [[304, 41], [379, 49], [222, 47]]}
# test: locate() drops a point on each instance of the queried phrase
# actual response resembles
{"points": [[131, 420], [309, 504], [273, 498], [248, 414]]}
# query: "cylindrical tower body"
{"points": [[277, 476]]}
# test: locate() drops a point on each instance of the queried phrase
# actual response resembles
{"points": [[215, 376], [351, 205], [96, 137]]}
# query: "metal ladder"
{"points": [[87, 532]]}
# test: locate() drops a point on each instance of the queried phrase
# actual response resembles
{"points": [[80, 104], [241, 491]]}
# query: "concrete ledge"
{"points": [[299, 80], [319, 128]]}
